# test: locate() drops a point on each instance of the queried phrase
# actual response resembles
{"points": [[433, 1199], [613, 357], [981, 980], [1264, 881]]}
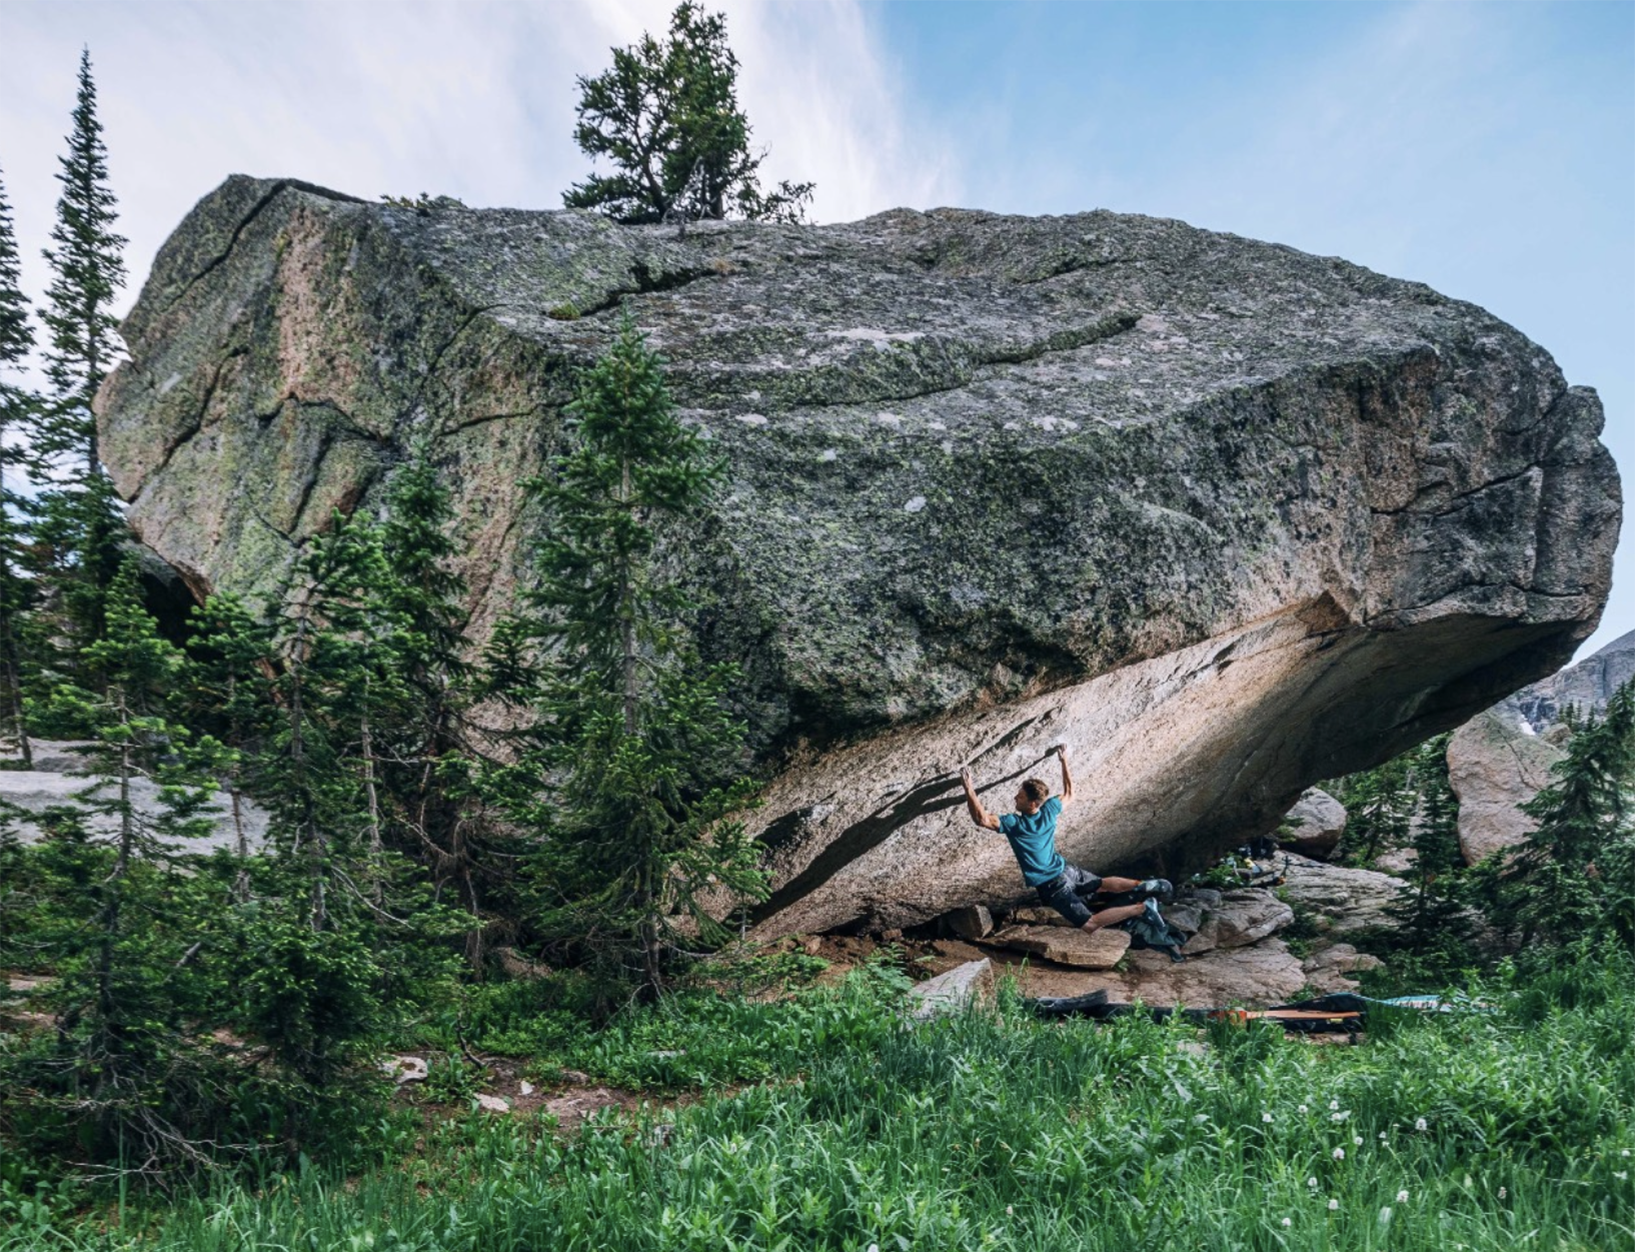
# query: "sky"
{"points": [[1487, 149]]}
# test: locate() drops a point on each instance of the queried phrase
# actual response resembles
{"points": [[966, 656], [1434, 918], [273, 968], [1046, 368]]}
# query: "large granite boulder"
{"points": [[1502, 758], [1226, 518]]}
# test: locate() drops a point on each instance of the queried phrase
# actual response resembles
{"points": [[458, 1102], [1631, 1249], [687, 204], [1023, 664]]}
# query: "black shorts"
{"points": [[1066, 893]]}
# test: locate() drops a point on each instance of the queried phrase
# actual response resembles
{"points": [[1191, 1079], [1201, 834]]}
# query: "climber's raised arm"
{"points": [[979, 815], [1067, 779]]}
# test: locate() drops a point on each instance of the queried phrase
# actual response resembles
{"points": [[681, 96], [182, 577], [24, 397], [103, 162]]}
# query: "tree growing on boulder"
{"points": [[666, 116]]}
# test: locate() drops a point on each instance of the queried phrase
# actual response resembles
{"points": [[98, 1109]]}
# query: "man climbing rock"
{"points": [[1064, 887]]}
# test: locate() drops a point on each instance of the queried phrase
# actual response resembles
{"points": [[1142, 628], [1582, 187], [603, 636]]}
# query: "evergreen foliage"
{"points": [[1379, 805], [666, 116], [1432, 915], [88, 270], [634, 729], [1574, 877], [17, 408], [76, 543]]}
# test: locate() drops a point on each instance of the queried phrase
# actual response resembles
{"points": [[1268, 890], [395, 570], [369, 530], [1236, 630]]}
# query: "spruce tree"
{"points": [[17, 407], [121, 920], [82, 528], [1430, 912], [433, 761], [1570, 879], [666, 116], [635, 730], [88, 271]]}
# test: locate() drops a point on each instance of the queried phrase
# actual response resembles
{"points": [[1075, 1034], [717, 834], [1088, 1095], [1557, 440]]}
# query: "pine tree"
{"points": [[667, 116], [1571, 877], [1430, 911], [121, 919], [77, 543], [635, 729], [17, 407], [88, 271], [1380, 805], [435, 767]]}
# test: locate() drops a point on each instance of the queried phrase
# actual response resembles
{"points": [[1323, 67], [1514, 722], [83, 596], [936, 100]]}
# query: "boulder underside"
{"points": [[1225, 518]]}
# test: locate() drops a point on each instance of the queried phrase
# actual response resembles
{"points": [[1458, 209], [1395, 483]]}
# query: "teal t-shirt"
{"points": [[1033, 839]]}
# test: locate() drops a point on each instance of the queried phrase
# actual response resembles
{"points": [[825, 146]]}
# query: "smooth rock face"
{"points": [[1319, 822], [1346, 900], [1223, 517], [1502, 758], [1494, 766]]}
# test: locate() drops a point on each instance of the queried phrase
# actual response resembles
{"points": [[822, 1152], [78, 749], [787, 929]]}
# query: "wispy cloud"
{"points": [[471, 99]]}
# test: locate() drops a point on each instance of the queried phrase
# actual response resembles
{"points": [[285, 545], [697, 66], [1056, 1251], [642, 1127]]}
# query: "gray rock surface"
{"points": [[1500, 759], [1224, 517], [1319, 821], [1243, 917], [1344, 900], [1496, 762], [970, 923], [952, 991], [37, 791]]}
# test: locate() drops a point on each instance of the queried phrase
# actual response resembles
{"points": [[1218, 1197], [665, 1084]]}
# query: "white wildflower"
{"points": [[874, 1247], [1402, 1197], [1382, 1136], [1267, 1118], [1312, 1183], [1334, 1104], [1421, 1124], [1301, 1109], [1356, 1141], [1625, 1152], [1287, 1222], [1009, 1211], [1333, 1206], [1339, 1117], [1339, 1154], [1622, 1175], [1385, 1216], [1503, 1193]]}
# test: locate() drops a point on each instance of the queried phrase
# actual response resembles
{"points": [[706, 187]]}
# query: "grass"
{"points": [[993, 1131]]}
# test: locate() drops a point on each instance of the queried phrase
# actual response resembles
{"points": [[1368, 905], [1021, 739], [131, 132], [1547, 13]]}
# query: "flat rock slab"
{"points": [[1066, 945], [1246, 518], [952, 991]]}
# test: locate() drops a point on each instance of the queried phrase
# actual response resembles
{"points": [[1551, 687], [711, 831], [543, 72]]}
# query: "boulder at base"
{"points": [[1226, 518], [1318, 822]]}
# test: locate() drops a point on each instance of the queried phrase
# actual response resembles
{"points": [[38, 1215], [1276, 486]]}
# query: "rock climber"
{"points": [[1061, 885]]}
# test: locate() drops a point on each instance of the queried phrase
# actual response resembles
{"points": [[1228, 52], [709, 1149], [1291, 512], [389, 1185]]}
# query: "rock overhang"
{"points": [[976, 462]]}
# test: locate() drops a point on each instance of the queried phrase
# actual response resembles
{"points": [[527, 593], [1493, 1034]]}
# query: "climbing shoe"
{"points": [[1162, 888]]}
